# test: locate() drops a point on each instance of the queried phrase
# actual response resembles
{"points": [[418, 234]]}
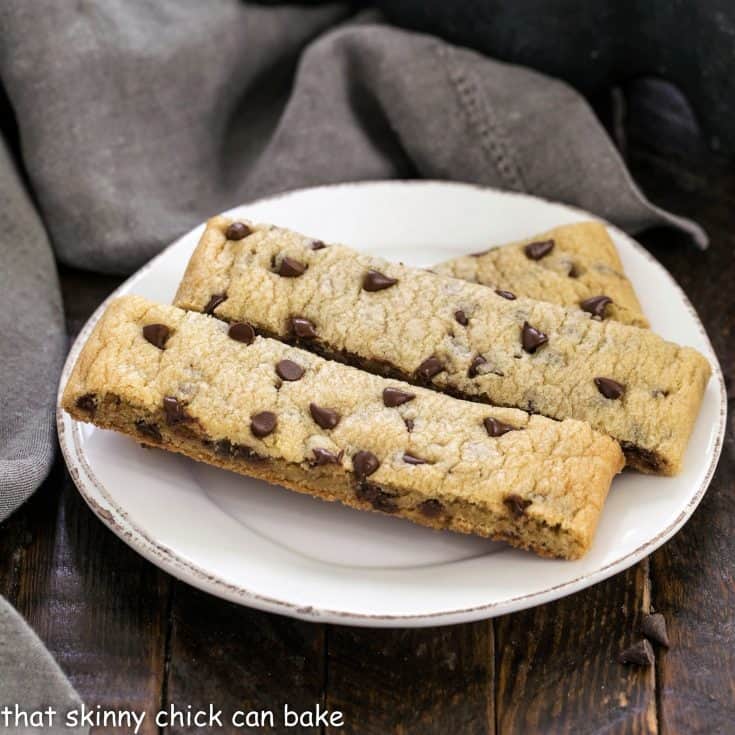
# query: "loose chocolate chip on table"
{"points": [[505, 294], [430, 367], [639, 654], [516, 504], [431, 508], [595, 305], [654, 628], [87, 402], [461, 317], [303, 327], [175, 411], [291, 268], [214, 301], [409, 424], [237, 230], [364, 463], [318, 245], [263, 423], [477, 360], [156, 334], [149, 430], [377, 281], [393, 397], [241, 332], [324, 456], [537, 250], [609, 388], [494, 427], [324, 417], [532, 338], [409, 458], [289, 370]]}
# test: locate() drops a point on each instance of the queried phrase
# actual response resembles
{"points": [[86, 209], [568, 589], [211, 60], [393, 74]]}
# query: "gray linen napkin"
{"points": [[138, 120]]}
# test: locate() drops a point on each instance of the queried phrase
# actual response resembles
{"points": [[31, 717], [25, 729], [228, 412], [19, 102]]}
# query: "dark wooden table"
{"points": [[130, 636]]}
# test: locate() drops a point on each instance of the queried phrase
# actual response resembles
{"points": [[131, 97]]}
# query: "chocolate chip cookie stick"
{"points": [[575, 265], [453, 336], [220, 394]]}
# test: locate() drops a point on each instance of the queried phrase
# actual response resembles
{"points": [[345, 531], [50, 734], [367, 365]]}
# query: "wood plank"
{"points": [[239, 659], [557, 667], [412, 681]]}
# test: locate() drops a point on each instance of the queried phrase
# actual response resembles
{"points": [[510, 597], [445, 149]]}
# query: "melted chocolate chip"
{"points": [[225, 448], [318, 245], [241, 332], [87, 402], [303, 328], [516, 505], [639, 654], [409, 458], [431, 508], [156, 334], [263, 423], [654, 628], [430, 367], [214, 301], [376, 496], [595, 305], [289, 370], [537, 250], [364, 463], [532, 338], [461, 317], [393, 397], [291, 268], [409, 424], [237, 231], [494, 427], [324, 456], [610, 388], [175, 411], [147, 429], [324, 417], [377, 281], [505, 294], [640, 457], [477, 360]]}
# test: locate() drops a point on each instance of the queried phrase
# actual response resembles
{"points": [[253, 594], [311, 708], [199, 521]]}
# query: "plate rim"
{"points": [[166, 558]]}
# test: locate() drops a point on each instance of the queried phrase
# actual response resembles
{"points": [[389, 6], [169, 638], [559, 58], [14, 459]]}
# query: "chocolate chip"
{"points": [[495, 428], [225, 448], [324, 456], [640, 654], [156, 334], [377, 281], [595, 305], [609, 388], [431, 508], [289, 370], [430, 367], [364, 463], [303, 328], [291, 268], [147, 429], [505, 294], [175, 411], [516, 505], [237, 230], [654, 628], [573, 271], [409, 424], [263, 423], [532, 338], [409, 458], [659, 393], [377, 497], [393, 397], [480, 254], [87, 402], [241, 332], [461, 317], [477, 360], [324, 417], [214, 301], [537, 250], [318, 245]]}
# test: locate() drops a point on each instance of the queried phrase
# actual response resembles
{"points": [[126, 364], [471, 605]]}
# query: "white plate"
{"points": [[269, 548]]}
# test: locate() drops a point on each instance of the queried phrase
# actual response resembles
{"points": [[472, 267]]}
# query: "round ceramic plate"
{"points": [[266, 547]]}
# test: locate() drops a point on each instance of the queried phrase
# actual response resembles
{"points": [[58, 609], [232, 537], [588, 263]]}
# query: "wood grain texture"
{"points": [[427, 681]]}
